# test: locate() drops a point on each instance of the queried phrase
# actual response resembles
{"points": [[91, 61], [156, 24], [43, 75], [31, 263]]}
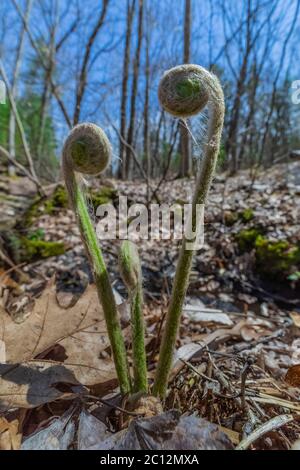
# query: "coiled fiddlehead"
{"points": [[184, 91], [87, 150]]}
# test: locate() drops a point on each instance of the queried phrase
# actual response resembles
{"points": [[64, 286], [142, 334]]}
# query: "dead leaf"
{"points": [[293, 376], [34, 383], [206, 317], [94, 435], [189, 350], [171, 431], [295, 316], [233, 435], [2, 351], [255, 328], [10, 438], [168, 431], [58, 435], [79, 330]]}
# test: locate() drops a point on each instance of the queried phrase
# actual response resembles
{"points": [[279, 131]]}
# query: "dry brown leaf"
{"points": [[34, 383], [206, 316], [295, 316], [233, 435], [79, 330], [10, 438], [255, 329], [293, 376]]}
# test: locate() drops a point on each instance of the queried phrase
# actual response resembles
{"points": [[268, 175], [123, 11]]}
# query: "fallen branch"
{"points": [[274, 423]]}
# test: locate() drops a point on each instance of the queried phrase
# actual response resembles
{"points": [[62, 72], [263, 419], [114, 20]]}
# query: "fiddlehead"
{"points": [[184, 91], [130, 269], [87, 150]]}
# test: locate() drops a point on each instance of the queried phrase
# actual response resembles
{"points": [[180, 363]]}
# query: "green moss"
{"points": [[31, 247], [188, 88], [36, 249], [276, 259], [246, 215], [246, 239], [104, 195], [57, 200]]}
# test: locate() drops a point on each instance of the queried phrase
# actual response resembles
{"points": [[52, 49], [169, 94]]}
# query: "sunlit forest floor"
{"points": [[238, 352]]}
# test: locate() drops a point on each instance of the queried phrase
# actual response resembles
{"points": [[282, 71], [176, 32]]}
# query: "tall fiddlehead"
{"points": [[184, 91]]}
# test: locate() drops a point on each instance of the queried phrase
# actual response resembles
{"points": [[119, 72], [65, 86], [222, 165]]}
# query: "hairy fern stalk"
{"points": [[183, 91]]}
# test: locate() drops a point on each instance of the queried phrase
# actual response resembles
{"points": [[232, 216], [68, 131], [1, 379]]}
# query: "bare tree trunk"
{"points": [[134, 89], [126, 62], [275, 82], [12, 119], [20, 128], [54, 88], [185, 144], [47, 87], [146, 145], [231, 144], [84, 67]]}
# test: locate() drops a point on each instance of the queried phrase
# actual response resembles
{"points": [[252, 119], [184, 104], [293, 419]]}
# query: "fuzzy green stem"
{"points": [[203, 182], [95, 256], [130, 269], [138, 341]]}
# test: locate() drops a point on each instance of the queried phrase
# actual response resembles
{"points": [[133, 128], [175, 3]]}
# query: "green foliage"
{"points": [[246, 239], [273, 259], [4, 124], [221, 157], [37, 249], [294, 277], [57, 200], [41, 138], [104, 195], [38, 234], [276, 258], [230, 218], [32, 247], [246, 215], [40, 135]]}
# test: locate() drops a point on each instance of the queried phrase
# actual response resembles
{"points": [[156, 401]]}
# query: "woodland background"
{"points": [[71, 61]]}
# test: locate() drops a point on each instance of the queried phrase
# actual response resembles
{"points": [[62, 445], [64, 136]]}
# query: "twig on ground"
{"points": [[270, 425]]}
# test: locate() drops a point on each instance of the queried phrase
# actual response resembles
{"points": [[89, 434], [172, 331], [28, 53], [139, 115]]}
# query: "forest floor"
{"points": [[237, 362]]}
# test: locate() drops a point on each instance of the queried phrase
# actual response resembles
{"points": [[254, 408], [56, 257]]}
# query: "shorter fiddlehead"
{"points": [[130, 269], [87, 150]]}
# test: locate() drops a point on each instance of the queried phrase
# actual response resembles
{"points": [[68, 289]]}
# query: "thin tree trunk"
{"points": [[146, 145], [231, 144], [47, 87], [126, 62], [54, 88], [134, 89], [14, 88], [84, 67], [185, 144]]}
